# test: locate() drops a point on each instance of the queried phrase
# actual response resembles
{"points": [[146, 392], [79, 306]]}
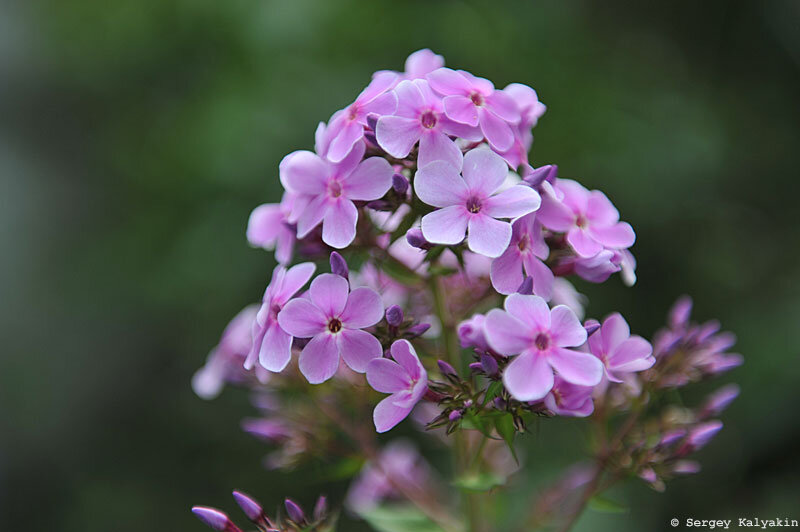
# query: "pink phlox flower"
{"points": [[272, 346], [619, 351], [539, 337], [269, 228], [333, 317], [524, 254], [588, 217], [468, 202], [421, 63], [404, 378], [326, 191], [474, 101], [567, 399]]}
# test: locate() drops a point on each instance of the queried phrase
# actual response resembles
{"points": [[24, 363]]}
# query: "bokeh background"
{"points": [[135, 138]]}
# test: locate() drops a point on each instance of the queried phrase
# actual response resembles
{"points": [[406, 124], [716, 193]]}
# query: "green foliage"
{"points": [[399, 518]]}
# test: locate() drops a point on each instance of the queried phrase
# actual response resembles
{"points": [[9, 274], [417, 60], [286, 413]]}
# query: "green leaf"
{"points": [[602, 504], [492, 391], [405, 224], [397, 518], [471, 421], [505, 428], [479, 481]]}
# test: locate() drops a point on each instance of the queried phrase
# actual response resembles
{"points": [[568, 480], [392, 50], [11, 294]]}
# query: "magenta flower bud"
{"points": [[215, 519], [536, 176], [719, 400], [320, 508], [415, 239], [372, 121], [294, 511], [591, 326], [679, 313], [418, 329], [475, 367], [370, 137], [499, 403], [468, 403], [703, 433], [489, 364], [686, 467], [672, 436], [380, 205], [339, 265], [527, 286], [455, 415], [400, 184], [394, 316], [648, 475], [446, 369], [249, 506]]}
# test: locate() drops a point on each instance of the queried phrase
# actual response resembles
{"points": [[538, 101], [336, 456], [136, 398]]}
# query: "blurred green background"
{"points": [[135, 138]]}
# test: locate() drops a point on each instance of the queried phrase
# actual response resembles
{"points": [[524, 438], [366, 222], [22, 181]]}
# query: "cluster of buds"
{"points": [[440, 237], [294, 519]]}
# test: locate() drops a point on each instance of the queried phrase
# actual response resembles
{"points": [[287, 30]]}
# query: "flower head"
{"points": [[468, 202], [404, 378], [567, 399], [539, 337], [474, 101], [618, 350], [525, 253], [588, 217], [333, 317], [326, 191], [272, 346]]}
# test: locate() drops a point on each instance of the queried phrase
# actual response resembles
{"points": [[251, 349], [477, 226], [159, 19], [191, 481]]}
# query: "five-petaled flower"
{"points": [[333, 317], [471, 203], [524, 254], [404, 378], [539, 337], [618, 350]]}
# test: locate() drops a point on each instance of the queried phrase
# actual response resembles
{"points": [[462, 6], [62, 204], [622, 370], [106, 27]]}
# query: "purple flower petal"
{"points": [[319, 359], [614, 331], [436, 146], [386, 376], [487, 236], [370, 180], [358, 348], [583, 244], [397, 135], [339, 226], [440, 185], [530, 310], [600, 210], [301, 318], [264, 225], [304, 172], [528, 377], [405, 355], [329, 294], [506, 271], [506, 334], [461, 109], [504, 106], [617, 236], [634, 354], [343, 143], [293, 280], [448, 81], [576, 367], [276, 349], [364, 308], [445, 226], [484, 171], [496, 130], [387, 414], [516, 201], [543, 278], [385, 104], [565, 329], [312, 215]]}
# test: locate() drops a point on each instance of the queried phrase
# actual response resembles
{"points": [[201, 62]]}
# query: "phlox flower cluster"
{"points": [[459, 312]]}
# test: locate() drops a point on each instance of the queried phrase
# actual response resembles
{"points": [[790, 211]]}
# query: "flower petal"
{"points": [[634, 354], [387, 414], [344, 141], [448, 81], [484, 171], [440, 185], [576, 367], [614, 331], [506, 272], [276, 349], [339, 225], [530, 310], [506, 334], [617, 236], [496, 130], [364, 308], [542, 276], [445, 226], [386, 376], [565, 329], [319, 359], [264, 225], [436, 146], [513, 202], [405, 355], [504, 106], [487, 236], [583, 244], [301, 318], [304, 172], [329, 294], [370, 180], [528, 377], [293, 280], [461, 109], [397, 134], [600, 210], [312, 214], [357, 348]]}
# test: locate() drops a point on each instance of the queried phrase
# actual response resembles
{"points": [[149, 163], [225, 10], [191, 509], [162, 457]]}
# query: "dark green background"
{"points": [[135, 138]]}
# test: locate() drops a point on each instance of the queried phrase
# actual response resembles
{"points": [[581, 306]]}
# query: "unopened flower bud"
{"points": [[380, 205], [215, 519], [418, 329], [468, 403], [536, 176], [446, 369], [685, 467], [591, 326], [703, 433], [339, 265], [475, 367], [400, 184], [394, 316], [372, 121], [648, 475], [719, 400], [415, 239], [489, 364], [370, 137], [294, 511], [499, 403], [526, 287], [455, 415], [320, 508], [249, 506]]}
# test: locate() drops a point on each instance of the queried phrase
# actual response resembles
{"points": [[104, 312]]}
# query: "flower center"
{"points": [[353, 112], [428, 119], [542, 341], [334, 325], [273, 311], [335, 188], [581, 221], [474, 205], [523, 243], [477, 98]]}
